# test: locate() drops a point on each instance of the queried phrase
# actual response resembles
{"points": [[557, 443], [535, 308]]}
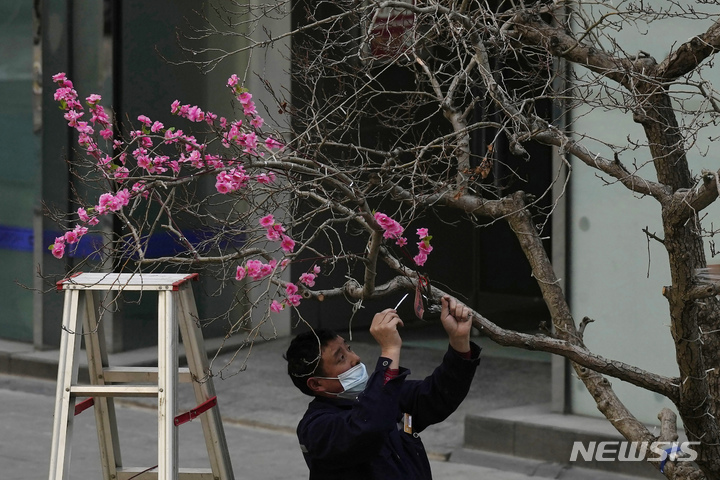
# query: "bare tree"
{"points": [[412, 107]]}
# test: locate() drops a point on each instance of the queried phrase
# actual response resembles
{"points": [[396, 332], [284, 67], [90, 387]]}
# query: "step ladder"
{"points": [[176, 308]]}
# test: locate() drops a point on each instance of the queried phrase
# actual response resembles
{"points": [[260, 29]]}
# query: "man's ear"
{"points": [[314, 385]]}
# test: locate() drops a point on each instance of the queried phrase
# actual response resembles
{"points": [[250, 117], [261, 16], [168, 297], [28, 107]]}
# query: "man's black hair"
{"points": [[304, 357]]}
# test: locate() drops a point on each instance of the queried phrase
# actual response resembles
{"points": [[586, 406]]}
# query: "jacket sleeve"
{"points": [[433, 399], [353, 431]]}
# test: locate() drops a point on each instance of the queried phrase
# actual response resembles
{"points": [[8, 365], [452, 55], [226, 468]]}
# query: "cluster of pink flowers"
{"points": [[424, 247], [292, 298], [275, 231], [257, 270], [193, 152], [232, 180], [68, 98], [73, 236], [393, 230], [191, 112]]}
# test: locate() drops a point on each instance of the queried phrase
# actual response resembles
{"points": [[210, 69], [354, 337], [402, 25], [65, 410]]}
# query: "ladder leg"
{"points": [[193, 342], [167, 386], [105, 419], [67, 376]]}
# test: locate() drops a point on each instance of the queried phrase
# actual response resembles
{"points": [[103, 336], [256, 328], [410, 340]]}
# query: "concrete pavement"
{"points": [[260, 409]]}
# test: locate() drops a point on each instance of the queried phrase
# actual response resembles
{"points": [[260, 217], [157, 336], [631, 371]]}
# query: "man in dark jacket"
{"points": [[366, 427]]}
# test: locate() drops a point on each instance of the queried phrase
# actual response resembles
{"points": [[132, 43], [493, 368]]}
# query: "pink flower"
{"points": [[291, 289], [93, 99], [276, 306], [232, 81], [249, 108], [294, 300], [420, 259], [287, 244], [244, 97], [93, 221], [271, 143], [144, 120], [121, 173], [265, 178], [308, 279], [253, 269], [267, 221], [80, 231], [104, 199], [222, 187], [257, 122], [123, 197], [266, 269], [422, 232], [195, 114], [401, 241], [71, 237], [240, 274], [156, 127], [425, 247], [58, 250], [272, 235], [316, 269], [82, 214]]}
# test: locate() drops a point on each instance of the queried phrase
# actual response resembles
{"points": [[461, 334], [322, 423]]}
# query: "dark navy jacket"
{"points": [[364, 438]]}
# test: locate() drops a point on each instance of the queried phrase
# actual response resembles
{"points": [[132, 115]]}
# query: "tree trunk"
{"points": [[683, 242]]}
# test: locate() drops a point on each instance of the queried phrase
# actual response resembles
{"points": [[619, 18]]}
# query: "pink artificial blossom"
{"points": [[267, 221], [266, 269], [59, 77], [82, 214], [253, 269], [291, 289], [71, 237], [265, 178], [121, 173], [58, 249], [308, 279], [294, 300], [272, 235], [240, 274], [276, 306], [392, 228], [271, 143], [287, 244], [249, 108], [425, 247], [257, 122]]}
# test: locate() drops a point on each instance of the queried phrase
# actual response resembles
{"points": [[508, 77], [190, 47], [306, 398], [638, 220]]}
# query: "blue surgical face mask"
{"points": [[353, 381]]}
